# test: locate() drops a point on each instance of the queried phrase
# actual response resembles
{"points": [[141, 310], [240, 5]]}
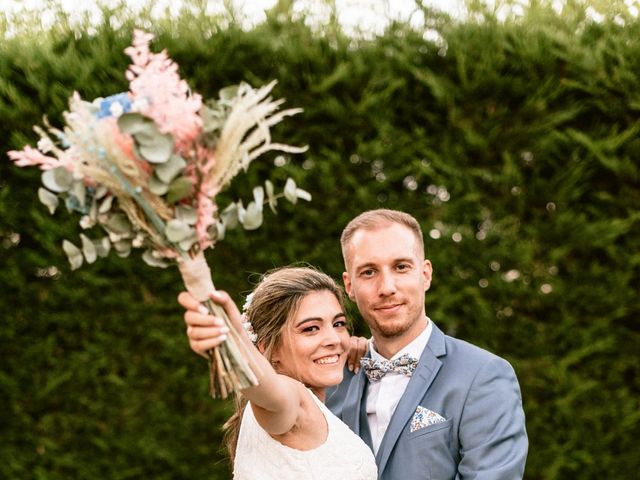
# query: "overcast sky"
{"points": [[370, 14]]}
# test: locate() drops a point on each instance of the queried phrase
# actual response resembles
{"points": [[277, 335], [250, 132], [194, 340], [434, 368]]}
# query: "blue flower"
{"points": [[114, 106]]}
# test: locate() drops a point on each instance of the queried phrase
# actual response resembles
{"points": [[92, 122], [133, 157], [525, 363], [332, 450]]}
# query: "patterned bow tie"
{"points": [[376, 369]]}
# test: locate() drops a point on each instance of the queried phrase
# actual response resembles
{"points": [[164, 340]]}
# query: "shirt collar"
{"points": [[414, 348]]}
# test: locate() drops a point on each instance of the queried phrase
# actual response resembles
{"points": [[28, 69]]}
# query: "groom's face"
{"points": [[387, 276]]}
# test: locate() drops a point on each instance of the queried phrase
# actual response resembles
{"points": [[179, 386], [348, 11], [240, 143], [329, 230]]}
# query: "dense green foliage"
{"points": [[515, 143]]}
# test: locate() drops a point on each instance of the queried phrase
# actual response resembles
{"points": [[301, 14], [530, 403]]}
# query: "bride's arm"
{"points": [[277, 399]]}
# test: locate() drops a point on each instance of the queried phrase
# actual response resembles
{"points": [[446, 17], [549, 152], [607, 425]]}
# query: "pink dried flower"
{"points": [[30, 156], [206, 212], [206, 206], [154, 78]]}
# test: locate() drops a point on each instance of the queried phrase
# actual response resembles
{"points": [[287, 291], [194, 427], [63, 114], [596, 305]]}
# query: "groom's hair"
{"points": [[374, 219]]}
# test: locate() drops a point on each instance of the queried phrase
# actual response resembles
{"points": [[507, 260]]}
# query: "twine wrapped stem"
{"points": [[229, 369]]}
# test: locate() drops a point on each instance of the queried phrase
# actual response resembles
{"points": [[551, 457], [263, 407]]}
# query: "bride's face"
{"points": [[314, 344]]}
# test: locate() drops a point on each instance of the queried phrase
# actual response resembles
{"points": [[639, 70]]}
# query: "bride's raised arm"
{"points": [[277, 399]]}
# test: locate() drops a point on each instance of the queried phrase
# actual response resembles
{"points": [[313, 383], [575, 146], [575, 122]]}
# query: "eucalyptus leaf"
{"points": [[227, 94], [91, 218], [73, 204], [49, 199], [271, 197], [170, 169], [88, 249], [57, 179], [303, 194], [177, 230], [258, 196], [229, 216], [290, 191], [188, 242], [241, 211], [103, 246], [80, 192], [152, 145], [187, 214], [150, 259], [157, 186], [213, 117], [132, 123], [105, 206], [221, 230], [118, 223], [122, 248], [179, 189], [101, 191], [252, 218], [156, 148], [147, 133], [73, 254]]}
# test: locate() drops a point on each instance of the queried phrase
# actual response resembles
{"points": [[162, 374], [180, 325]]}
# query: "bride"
{"points": [[281, 428]]}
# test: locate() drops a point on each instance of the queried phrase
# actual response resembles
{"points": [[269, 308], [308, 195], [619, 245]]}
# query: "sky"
{"points": [[370, 14]]}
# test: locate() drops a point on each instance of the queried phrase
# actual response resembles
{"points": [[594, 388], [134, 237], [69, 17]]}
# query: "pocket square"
{"points": [[423, 417]]}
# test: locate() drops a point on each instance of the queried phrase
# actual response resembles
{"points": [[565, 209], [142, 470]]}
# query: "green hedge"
{"points": [[515, 143]]}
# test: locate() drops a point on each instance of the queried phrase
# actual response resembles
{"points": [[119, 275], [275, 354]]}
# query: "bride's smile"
{"points": [[314, 342]]}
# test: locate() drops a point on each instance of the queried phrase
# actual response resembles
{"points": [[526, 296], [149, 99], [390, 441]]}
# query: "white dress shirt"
{"points": [[383, 396]]}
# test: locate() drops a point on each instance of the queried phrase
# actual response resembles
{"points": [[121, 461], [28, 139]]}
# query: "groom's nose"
{"points": [[387, 283]]}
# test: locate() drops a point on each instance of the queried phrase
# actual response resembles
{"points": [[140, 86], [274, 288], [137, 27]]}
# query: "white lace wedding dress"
{"points": [[343, 456]]}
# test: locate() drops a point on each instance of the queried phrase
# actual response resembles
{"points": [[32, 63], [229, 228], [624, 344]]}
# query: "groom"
{"points": [[450, 410]]}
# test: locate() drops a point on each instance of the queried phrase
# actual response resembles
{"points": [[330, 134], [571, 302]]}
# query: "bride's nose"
{"points": [[330, 336]]}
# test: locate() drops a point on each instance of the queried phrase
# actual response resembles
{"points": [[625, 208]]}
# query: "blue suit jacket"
{"points": [[483, 437]]}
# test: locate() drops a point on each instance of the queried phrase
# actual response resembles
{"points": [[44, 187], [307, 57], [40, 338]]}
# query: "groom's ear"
{"points": [[427, 272], [347, 286]]}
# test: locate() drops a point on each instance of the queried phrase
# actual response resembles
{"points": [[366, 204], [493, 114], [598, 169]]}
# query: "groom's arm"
{"points": [[493, 438]]}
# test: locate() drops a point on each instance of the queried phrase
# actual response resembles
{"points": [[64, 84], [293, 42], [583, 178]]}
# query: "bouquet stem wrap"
{"points": [[229, 368]]}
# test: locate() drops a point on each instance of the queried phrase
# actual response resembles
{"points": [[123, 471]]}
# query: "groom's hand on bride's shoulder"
{"points": [[358, 347], [205, 331]]}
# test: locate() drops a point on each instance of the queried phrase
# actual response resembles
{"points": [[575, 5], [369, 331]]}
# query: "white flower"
{"points": [[247, 302], [248, 328], [246, 324], [116, 109]]}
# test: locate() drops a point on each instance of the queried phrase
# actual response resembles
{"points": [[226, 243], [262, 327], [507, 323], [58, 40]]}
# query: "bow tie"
{"points": [[376, 369]]}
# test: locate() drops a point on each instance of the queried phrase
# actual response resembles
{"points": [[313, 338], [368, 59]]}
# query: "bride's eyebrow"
{"points": [[318, 319], [308, 320]]}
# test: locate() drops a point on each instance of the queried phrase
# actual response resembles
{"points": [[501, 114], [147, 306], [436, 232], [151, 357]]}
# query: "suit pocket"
{"points": [[436, 427]]}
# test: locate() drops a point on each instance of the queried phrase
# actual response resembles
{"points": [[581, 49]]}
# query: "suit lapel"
{"points": [[353, 402], [365, 432], [421, 380]]}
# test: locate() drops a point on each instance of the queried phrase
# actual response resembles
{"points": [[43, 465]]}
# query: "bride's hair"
{"points": [[275, 301]]}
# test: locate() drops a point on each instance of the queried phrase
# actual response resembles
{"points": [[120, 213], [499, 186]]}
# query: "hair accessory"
{"points": [[246, 324]]}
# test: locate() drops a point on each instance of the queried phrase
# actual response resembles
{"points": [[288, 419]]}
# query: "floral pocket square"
{"points": [[423, 417]]}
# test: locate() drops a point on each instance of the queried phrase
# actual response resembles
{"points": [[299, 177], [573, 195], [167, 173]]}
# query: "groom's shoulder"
{"points": [[466, 352]]}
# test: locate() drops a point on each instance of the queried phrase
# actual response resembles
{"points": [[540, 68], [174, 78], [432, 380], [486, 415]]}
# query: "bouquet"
{"points": [[144, 167]]}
